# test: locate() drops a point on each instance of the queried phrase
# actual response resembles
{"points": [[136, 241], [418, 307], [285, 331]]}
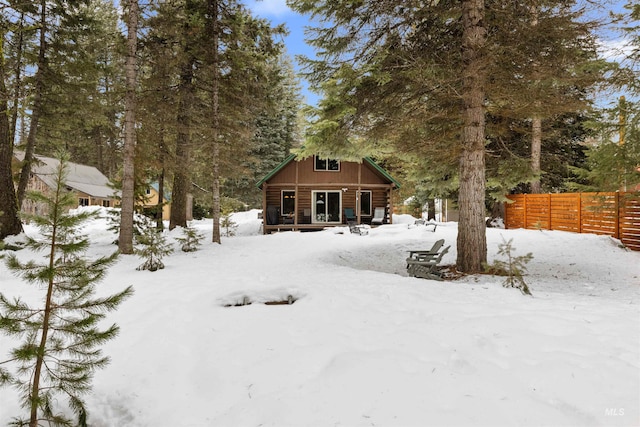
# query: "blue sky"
{"points": [[278, 12]]}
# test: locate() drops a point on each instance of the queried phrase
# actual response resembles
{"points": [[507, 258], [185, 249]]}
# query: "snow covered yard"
{"points": [[364, 344]]}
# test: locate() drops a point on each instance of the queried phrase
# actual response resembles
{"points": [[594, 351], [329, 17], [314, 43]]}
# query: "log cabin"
{"points": [[313, 193]]}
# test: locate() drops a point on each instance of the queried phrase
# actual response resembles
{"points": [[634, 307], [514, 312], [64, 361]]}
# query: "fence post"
{"points": [[579, 212], [617, 207], [549, 212]]}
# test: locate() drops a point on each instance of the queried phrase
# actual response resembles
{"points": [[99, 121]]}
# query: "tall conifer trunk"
{"points": [[536, 152], [36, 108], [214, 28], [9, 221], [472, 244], [125, 239], [17, 71], [536, 121], [182, 176]]}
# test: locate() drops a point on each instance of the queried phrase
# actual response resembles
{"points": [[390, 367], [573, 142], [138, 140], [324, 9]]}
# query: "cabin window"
{"points": [[148, 191], [365, 203], [106, 203], [326, 164], [327, 206], [288, 202], [83, 201]]}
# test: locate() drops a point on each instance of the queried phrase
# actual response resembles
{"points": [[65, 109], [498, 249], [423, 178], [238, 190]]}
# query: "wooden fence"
{"points": [[614, 214]]}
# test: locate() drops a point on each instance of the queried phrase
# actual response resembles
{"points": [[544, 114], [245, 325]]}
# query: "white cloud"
{"points": [[615, 50], [269, 7]]}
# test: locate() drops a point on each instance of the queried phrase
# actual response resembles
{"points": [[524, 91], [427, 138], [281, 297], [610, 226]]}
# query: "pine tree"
{"points": [[513, 267], [9, 220], [61, 338], [414, 73], [88, 68], [424, 78], [614, 164], [152, 247], [125, 239], [191, 239]]}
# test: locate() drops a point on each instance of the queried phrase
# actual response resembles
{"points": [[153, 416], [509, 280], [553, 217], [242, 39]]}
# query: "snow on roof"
{"points": [[82, 178]]}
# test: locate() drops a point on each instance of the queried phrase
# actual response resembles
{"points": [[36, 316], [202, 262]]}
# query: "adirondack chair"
{"points": [[349, 215], [427, 224], [424, 263], [379, 215]]}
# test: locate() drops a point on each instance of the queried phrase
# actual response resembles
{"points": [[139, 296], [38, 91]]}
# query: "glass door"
{"points": [[327, 206]]}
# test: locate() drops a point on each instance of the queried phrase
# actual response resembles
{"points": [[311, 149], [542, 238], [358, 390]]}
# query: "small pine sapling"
{"points": [[152, 247], [59, 351], [191, 239], [514, 267], [228, 224]]}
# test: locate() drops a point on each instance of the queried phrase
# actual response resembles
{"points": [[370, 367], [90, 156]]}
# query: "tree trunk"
{"points": [[36, 109], [9, 220], [471, 242], [536, 151], [182, 175], [536, 121], [215, 119], [125, 240], [431, 209], [160, 204], [17, 71]]}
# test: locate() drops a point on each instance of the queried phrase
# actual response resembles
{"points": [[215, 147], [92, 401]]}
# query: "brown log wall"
{"points": [[613, 214]]}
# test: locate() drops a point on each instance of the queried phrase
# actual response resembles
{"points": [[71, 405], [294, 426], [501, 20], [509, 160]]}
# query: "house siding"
{"points": [[300, 177], [40, 180]]}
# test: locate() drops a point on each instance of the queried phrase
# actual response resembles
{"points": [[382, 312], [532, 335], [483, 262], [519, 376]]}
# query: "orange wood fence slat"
{"points": [[613, 214]]}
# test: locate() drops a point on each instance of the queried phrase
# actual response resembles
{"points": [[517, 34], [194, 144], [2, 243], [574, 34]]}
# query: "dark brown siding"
{"points": [[301, 177]]}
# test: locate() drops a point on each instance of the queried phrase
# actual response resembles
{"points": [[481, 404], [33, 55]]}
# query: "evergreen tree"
{"points": [[413, 72], [424, 79], [180, 43], [614, 160], [546, 64], [125, 239], [88, 66], [153, 246], [9, 220], [513, 267], [614, 163], [276, 132], [61, 338], [190, 240]]}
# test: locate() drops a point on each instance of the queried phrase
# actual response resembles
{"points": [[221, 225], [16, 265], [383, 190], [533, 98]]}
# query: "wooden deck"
{"points": [[268, 229]]}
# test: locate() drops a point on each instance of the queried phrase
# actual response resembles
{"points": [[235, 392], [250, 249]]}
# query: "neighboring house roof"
{"points": [[165, 193], [291, 157], [82, 178]]}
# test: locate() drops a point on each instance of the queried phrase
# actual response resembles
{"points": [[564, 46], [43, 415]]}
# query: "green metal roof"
{"points": [[276, 170], [291, 157], [382, 171]]}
